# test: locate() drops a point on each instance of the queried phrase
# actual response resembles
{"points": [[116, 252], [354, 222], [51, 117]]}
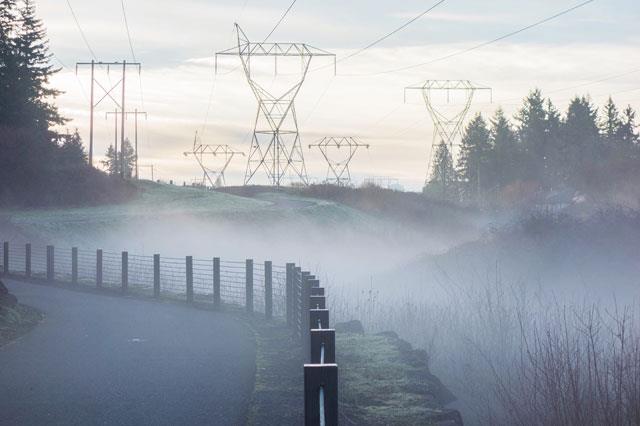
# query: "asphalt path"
{"points": [[106, 360]]}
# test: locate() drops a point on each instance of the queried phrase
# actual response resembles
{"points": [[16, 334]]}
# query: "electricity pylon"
{"points": [[338, 168], [275, 146], [447, 128], [199, 151]]}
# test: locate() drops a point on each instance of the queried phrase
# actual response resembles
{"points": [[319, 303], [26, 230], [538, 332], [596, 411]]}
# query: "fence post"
{"points": [[305, 308], [50, 263], [319, 318], [156, 275], [289, 293], [268, 289], [323, 346], [317, 302], [5, 258], [99, 268], [321, 394], [125, 271], [217, 300], [74, 265], [27, 260], [189, 269], [249, 285]]}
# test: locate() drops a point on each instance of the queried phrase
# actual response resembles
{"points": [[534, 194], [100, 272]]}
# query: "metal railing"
{"points": [[276, 291]]}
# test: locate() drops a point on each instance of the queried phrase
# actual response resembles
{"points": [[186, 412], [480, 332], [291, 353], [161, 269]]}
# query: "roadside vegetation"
{"points": [[40, 166]]}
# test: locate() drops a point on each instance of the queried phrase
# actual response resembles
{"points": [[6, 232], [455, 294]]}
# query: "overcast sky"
{"points": [[175, 41]]}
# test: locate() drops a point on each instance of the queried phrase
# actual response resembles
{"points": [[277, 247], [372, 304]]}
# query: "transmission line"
{"points": [[286, 12], [126, 25], [84, 38], [400, 28], [481, 45]]}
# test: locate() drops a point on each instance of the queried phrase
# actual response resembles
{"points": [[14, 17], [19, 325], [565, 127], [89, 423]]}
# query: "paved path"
{"points": [[117, 361]]}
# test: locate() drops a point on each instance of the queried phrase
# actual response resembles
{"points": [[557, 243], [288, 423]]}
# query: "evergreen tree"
{"points": [[505, 155], [32, 48], [581, 137], [72, 153], [611, 123], [532, 131], [627, 132], [553, 173], [474, 164], [442, 181], [114, 164], [8, 62]]}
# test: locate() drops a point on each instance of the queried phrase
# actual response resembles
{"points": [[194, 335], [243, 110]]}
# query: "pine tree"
{"points": [[35, 70], [582, 142], [627, 132], [72, 153], [474, 164], [442, 181], [532, 131], [114, 164], [8, 63], [505, 155], [611, 123]]}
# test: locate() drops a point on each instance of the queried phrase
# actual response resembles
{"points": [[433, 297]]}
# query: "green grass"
{"points": [[385, 382], [161, 203]]}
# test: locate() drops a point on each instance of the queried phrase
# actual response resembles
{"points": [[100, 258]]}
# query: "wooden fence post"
{"points": [[125, 271], [268, 289], [74, 265], [5, 257], [319, 318], [156, 275], [323, 346], [249, 285], [99, 268], [317, 302], [50, 264], [320, 394], [189, 269], [289, 293], [305, 308], [27, 260], [217, 300]]}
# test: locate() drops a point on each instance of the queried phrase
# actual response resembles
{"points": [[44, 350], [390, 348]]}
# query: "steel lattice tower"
{"points": [[447, 128], [199, 151], [275, 146], [338, 168]]}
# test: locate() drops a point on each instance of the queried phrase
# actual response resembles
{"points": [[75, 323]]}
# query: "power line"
{"points": [[481, 45], [286, 12], [86, 42], [400, 28], [126, 25]]}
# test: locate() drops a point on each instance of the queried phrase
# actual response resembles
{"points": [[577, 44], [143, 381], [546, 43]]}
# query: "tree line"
{"points": [[595, 152], [39, 165]]}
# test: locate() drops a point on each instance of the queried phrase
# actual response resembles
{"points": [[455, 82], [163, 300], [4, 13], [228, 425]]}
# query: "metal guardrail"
{"points": [[274, 290]]}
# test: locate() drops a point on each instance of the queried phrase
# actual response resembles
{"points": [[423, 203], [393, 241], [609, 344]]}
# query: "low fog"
{"points": [[486, 295]]}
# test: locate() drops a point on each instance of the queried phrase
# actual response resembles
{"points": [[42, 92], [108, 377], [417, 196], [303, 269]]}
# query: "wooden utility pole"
{"points": [[107, 94]]}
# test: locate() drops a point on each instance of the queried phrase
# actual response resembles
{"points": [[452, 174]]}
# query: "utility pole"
{"points": [[135, 113], [108, 93], [151, 167]]}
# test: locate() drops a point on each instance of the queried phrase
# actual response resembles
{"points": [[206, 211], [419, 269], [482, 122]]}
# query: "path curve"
{"points": [[119, 361]]}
